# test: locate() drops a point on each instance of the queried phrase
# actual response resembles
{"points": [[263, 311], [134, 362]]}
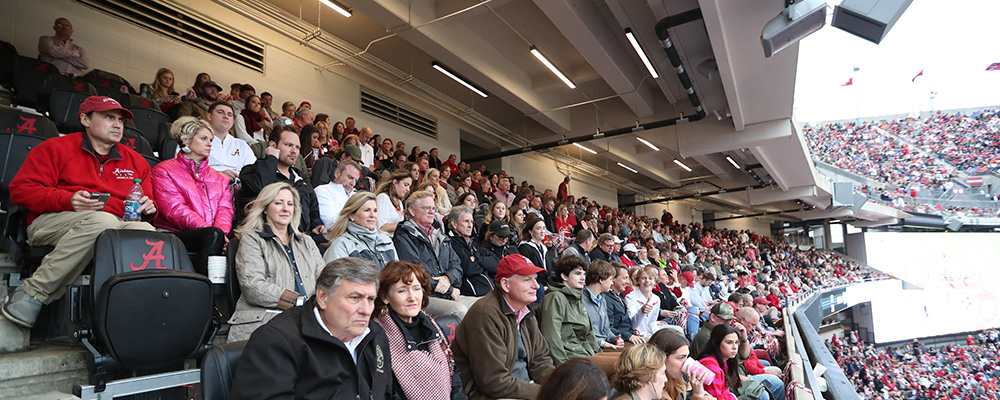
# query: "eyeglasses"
{"points": [[65, 26], [427, 208]]}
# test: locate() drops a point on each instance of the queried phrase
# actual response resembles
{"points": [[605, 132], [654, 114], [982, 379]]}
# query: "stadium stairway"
{"points": [[48, 372]]}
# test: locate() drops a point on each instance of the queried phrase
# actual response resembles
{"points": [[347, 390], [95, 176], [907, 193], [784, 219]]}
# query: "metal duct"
{"points": [[691, 196]]}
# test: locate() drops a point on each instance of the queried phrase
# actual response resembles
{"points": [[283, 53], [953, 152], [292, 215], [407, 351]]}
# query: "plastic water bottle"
{"points": [[132, 202]]}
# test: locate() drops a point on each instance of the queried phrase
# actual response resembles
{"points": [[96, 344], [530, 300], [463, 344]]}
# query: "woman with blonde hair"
{"points": [[163, 92], [195, 200], [356, 234], [433, 176], [276, 265], [496, 212], [640, 373], [389, 198]]}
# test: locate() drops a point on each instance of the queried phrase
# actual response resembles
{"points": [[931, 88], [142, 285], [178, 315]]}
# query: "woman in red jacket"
{"points": [[194, 199]]}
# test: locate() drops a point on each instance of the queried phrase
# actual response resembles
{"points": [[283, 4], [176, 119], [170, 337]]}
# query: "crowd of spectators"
{"points": [[917, 371], [863, 150], [889, 152], [326, 211], [967, 141]]}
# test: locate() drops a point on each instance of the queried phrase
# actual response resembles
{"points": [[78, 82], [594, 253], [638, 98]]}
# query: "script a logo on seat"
{"points": [[155, 254]]}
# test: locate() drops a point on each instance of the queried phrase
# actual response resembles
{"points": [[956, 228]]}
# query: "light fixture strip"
{"points": [[678, 162], [732, 161], [628, 168], [647, 143], [451, 75], [337, 7], [552, 67], [642, 55], [585, 148]]}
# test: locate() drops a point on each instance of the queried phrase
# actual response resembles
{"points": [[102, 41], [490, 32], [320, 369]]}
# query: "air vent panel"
{"points": [[400, 114], [186, 27]]}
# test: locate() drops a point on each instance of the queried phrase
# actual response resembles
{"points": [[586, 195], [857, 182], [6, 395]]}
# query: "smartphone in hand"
{"points": [[102, 197]]}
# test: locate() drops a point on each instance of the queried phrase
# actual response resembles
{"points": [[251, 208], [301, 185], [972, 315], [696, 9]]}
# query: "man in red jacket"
{"points": [[63, 184]]}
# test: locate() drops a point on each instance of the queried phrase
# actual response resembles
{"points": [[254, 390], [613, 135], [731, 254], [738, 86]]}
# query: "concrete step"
{"points": [[13, 337], [41, 371]]}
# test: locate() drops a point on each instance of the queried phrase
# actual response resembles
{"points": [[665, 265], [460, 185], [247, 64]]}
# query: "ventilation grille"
{"points": [[187, 27], [399, 114]]}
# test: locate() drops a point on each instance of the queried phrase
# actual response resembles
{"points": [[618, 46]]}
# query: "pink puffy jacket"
{"points": [[187, 199]]}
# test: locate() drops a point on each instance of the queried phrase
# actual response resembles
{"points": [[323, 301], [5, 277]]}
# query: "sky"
{"points": [[951, 41]]}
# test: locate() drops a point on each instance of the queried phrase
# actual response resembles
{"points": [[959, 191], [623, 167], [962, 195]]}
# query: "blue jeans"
{"points": [[694, 322], [772, 383]]}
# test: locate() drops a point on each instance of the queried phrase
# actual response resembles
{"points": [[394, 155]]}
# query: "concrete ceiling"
{"points": [[488, 41]]}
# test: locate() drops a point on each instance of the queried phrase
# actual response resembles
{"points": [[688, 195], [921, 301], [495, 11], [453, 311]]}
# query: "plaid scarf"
{"points": [[421, 374]]}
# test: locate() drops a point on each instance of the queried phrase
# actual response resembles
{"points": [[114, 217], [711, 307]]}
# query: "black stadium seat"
{"points": [[148, 121], [64, 107], [148, 308], [218, 369], [111, 85], [16, 121], [8, 62], [136, 101], [233, 290], [134, 140], [151, 160], [14, 149], [33, 81], [168, 150]]}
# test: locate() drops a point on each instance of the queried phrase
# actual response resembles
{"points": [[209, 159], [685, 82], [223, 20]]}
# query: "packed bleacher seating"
{"points": [[864, 150], [967, 141], [915, 160], [918, 371], [297, 198]]}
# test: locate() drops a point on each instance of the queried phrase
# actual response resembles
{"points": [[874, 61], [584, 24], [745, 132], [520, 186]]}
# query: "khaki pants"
{"points": [[73, 234]]}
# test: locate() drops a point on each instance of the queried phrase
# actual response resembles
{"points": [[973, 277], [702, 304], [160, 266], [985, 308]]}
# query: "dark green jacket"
{"points": [[566, 325]]}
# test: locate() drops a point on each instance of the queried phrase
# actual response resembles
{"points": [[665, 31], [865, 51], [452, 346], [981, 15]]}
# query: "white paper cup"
{"points": [[217, 269]]}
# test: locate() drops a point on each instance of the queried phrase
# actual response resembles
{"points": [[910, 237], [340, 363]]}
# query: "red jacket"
{"points": [[59, 167]]}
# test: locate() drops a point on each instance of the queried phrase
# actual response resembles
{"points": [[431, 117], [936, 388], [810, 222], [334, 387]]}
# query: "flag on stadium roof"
{"points": [[993, 67], [918, 75], [849, 82]]}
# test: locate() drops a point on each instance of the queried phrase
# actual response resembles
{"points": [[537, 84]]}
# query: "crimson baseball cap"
{"points": [[103, 103], [689, 277], [516, 264], [761, 300]]}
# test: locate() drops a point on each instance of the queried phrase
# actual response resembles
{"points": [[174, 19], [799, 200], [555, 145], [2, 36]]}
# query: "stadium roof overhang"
{"points": [[748, 98]]}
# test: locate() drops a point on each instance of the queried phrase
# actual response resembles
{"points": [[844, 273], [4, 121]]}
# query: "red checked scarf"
{"points": [[422, 375]]}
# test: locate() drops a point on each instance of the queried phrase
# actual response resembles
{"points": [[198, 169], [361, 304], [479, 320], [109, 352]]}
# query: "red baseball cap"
{"points": [[689, 277], [761, 300], [103, 103], [516, 264]]}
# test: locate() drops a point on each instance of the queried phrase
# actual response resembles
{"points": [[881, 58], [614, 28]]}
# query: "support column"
{"points": [[827, 236]]}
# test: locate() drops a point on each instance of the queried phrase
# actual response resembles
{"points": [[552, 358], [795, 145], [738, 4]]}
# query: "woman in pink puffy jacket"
{"points": [[194, 200]]}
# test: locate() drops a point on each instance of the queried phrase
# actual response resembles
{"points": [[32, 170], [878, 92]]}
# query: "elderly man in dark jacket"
{"points": [[328, 348], [420, 240], [499, 350]]}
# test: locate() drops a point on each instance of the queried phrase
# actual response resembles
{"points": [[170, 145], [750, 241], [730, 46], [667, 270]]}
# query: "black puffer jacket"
{"points": [[487, 258]]}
